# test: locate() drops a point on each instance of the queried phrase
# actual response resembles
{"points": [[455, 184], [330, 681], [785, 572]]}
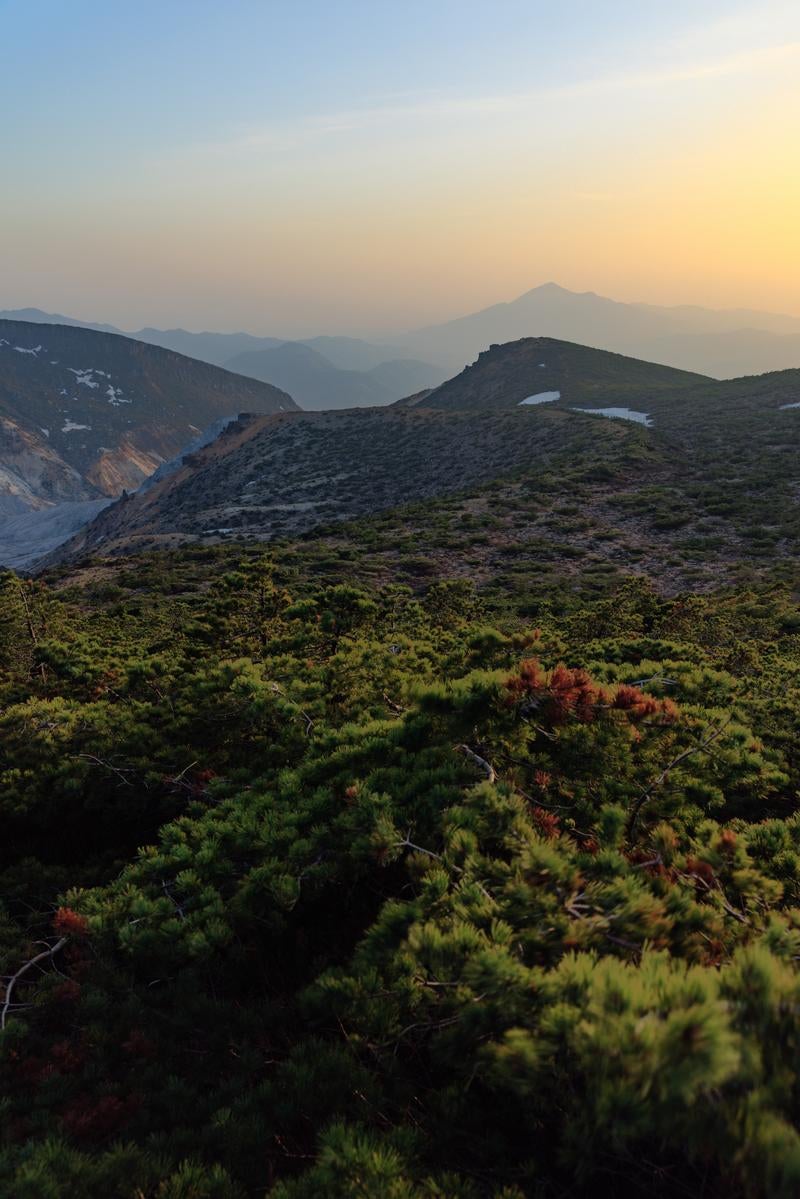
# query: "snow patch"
{"points": [[640, 418], [84, 377], [796, 404], [115, 396], [69, 426], [541, 397], [22, 350]]}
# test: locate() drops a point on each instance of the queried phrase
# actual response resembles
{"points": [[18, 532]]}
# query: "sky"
{"points": [[357, 167]]}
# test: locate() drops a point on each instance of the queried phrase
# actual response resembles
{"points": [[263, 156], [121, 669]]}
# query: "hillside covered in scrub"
{"points": [[326, 876]]}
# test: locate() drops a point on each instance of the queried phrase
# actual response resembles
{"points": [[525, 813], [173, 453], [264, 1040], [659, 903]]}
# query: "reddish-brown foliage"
{"points": [[558, 694], [562, 693], [68, 923], [67, 1058], [702, 871], [546, 823], [727, 842]]}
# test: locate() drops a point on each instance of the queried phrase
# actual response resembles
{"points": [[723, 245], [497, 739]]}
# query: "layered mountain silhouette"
{"points": [[85, 414], [725, 343], [722, 343], [322, 372], [316, 383]]}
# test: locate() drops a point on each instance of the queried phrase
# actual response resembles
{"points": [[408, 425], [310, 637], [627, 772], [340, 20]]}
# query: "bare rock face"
{"points": [[32, 475], [138, 455]]}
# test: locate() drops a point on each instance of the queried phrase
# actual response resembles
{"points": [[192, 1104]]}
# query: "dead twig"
{"points": [[309, 722], [50, 952], [121, 773], [478, 761]]}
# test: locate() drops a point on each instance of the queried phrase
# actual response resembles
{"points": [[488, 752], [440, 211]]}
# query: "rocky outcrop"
{"points": [[32, 474]]}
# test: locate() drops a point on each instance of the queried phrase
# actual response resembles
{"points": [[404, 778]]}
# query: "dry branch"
{"points": [[12, 982]]}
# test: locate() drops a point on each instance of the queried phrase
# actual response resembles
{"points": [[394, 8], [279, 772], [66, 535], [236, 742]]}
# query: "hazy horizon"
{"points": [[389, 333], [365, 172]]}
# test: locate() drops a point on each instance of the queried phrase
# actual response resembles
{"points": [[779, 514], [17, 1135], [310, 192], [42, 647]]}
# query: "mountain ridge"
{"points": [[86, 413], [290, 473], [651, 332]]}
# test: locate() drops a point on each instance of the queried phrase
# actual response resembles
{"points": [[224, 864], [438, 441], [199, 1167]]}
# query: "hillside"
{"points": [[283, 475], [86, 413], [505, 376]]}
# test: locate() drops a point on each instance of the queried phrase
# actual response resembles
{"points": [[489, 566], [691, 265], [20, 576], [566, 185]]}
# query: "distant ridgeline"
{"points": [[403, 802]]}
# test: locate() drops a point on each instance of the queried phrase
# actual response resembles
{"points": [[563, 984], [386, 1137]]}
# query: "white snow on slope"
{"points": [[542, 397], [69, 426], [115, 396], [83, 377], [22, 350], [641, 418]]}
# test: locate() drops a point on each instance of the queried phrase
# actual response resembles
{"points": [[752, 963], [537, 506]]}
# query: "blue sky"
{"points": [[354, 165]]}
